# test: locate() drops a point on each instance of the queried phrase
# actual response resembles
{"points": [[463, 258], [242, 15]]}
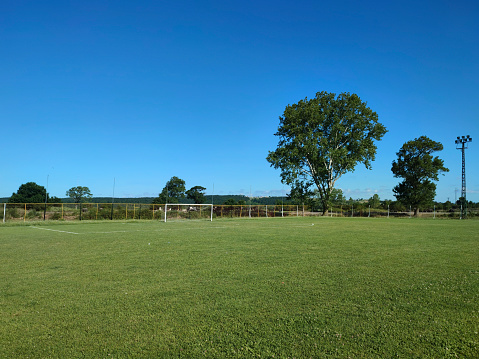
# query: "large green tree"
{"points": [[418, 168], [79, 194], [323, 138], [196, 194], [29, 192], [173, 191]]}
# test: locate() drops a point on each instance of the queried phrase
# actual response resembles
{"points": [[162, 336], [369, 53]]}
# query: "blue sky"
{"points": [[93, 92]]}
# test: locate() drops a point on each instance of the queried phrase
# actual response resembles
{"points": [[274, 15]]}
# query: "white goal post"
{"points": [[175, 211]]}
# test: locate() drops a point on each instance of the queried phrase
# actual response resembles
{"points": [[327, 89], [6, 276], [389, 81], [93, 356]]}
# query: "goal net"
{"points": [[177, 211]]}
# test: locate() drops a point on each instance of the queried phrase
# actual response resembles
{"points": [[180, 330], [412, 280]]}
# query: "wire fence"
{"points": [[24, 212], [124, 211]]}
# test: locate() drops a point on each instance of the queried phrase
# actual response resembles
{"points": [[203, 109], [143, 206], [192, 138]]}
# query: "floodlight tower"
{"points": [[461, 144]]}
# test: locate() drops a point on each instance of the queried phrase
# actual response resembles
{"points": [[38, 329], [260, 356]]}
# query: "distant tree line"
{"points": [[175, 192]]}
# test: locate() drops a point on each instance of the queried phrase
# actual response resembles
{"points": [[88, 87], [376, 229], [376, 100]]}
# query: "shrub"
{"points": [[145, 213], [13, 213], [33, 213], [56, 216]]}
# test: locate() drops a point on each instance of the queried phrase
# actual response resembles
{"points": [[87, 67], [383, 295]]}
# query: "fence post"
{"points": [[4, 211]]}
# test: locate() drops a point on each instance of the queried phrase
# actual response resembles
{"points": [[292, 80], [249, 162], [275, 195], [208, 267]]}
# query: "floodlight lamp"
{"points": [[468, 136], [458, 137], [463, 137]]}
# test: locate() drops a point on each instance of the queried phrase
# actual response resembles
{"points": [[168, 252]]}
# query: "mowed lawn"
{"points": [[244, 288]]}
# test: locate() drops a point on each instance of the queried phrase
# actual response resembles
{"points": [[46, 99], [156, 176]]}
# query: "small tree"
{"points": [[418, 168], [337, 197], [230, 202], [447, 205], [386, 204], [196, 194], [374, 201], [173, 191], [79, 194]]}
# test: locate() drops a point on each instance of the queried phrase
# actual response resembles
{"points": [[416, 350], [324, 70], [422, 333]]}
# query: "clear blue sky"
{"points": [[140, 91]]}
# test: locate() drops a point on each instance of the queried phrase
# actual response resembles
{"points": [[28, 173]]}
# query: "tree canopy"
{"points": [[323, 138], [418, 168], [173, 191], [79, 194], [196, 194], [230, 202], [29, 192]]}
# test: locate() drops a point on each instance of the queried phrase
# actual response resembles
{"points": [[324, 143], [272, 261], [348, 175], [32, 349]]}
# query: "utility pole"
{"points": [[461, 144]]}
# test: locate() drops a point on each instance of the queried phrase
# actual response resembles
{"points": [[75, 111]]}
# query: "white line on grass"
{"points": [[53, 230], [151, 230], [162, 229], [108, 232]]}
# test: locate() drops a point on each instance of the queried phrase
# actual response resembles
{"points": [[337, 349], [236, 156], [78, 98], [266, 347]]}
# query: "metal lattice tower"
{"points": [[461, 144]]}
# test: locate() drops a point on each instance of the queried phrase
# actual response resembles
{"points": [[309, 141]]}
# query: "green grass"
{"points": [[282, 288]]}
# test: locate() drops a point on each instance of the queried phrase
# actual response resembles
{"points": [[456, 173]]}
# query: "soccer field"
{"points": [[241, 288]]}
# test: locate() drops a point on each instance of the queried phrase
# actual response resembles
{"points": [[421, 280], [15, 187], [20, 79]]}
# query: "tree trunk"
{"points": [[325, 208], [416, 212]]}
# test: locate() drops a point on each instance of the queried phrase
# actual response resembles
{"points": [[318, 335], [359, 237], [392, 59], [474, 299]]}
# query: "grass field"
{"points": [[270, 288]]}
